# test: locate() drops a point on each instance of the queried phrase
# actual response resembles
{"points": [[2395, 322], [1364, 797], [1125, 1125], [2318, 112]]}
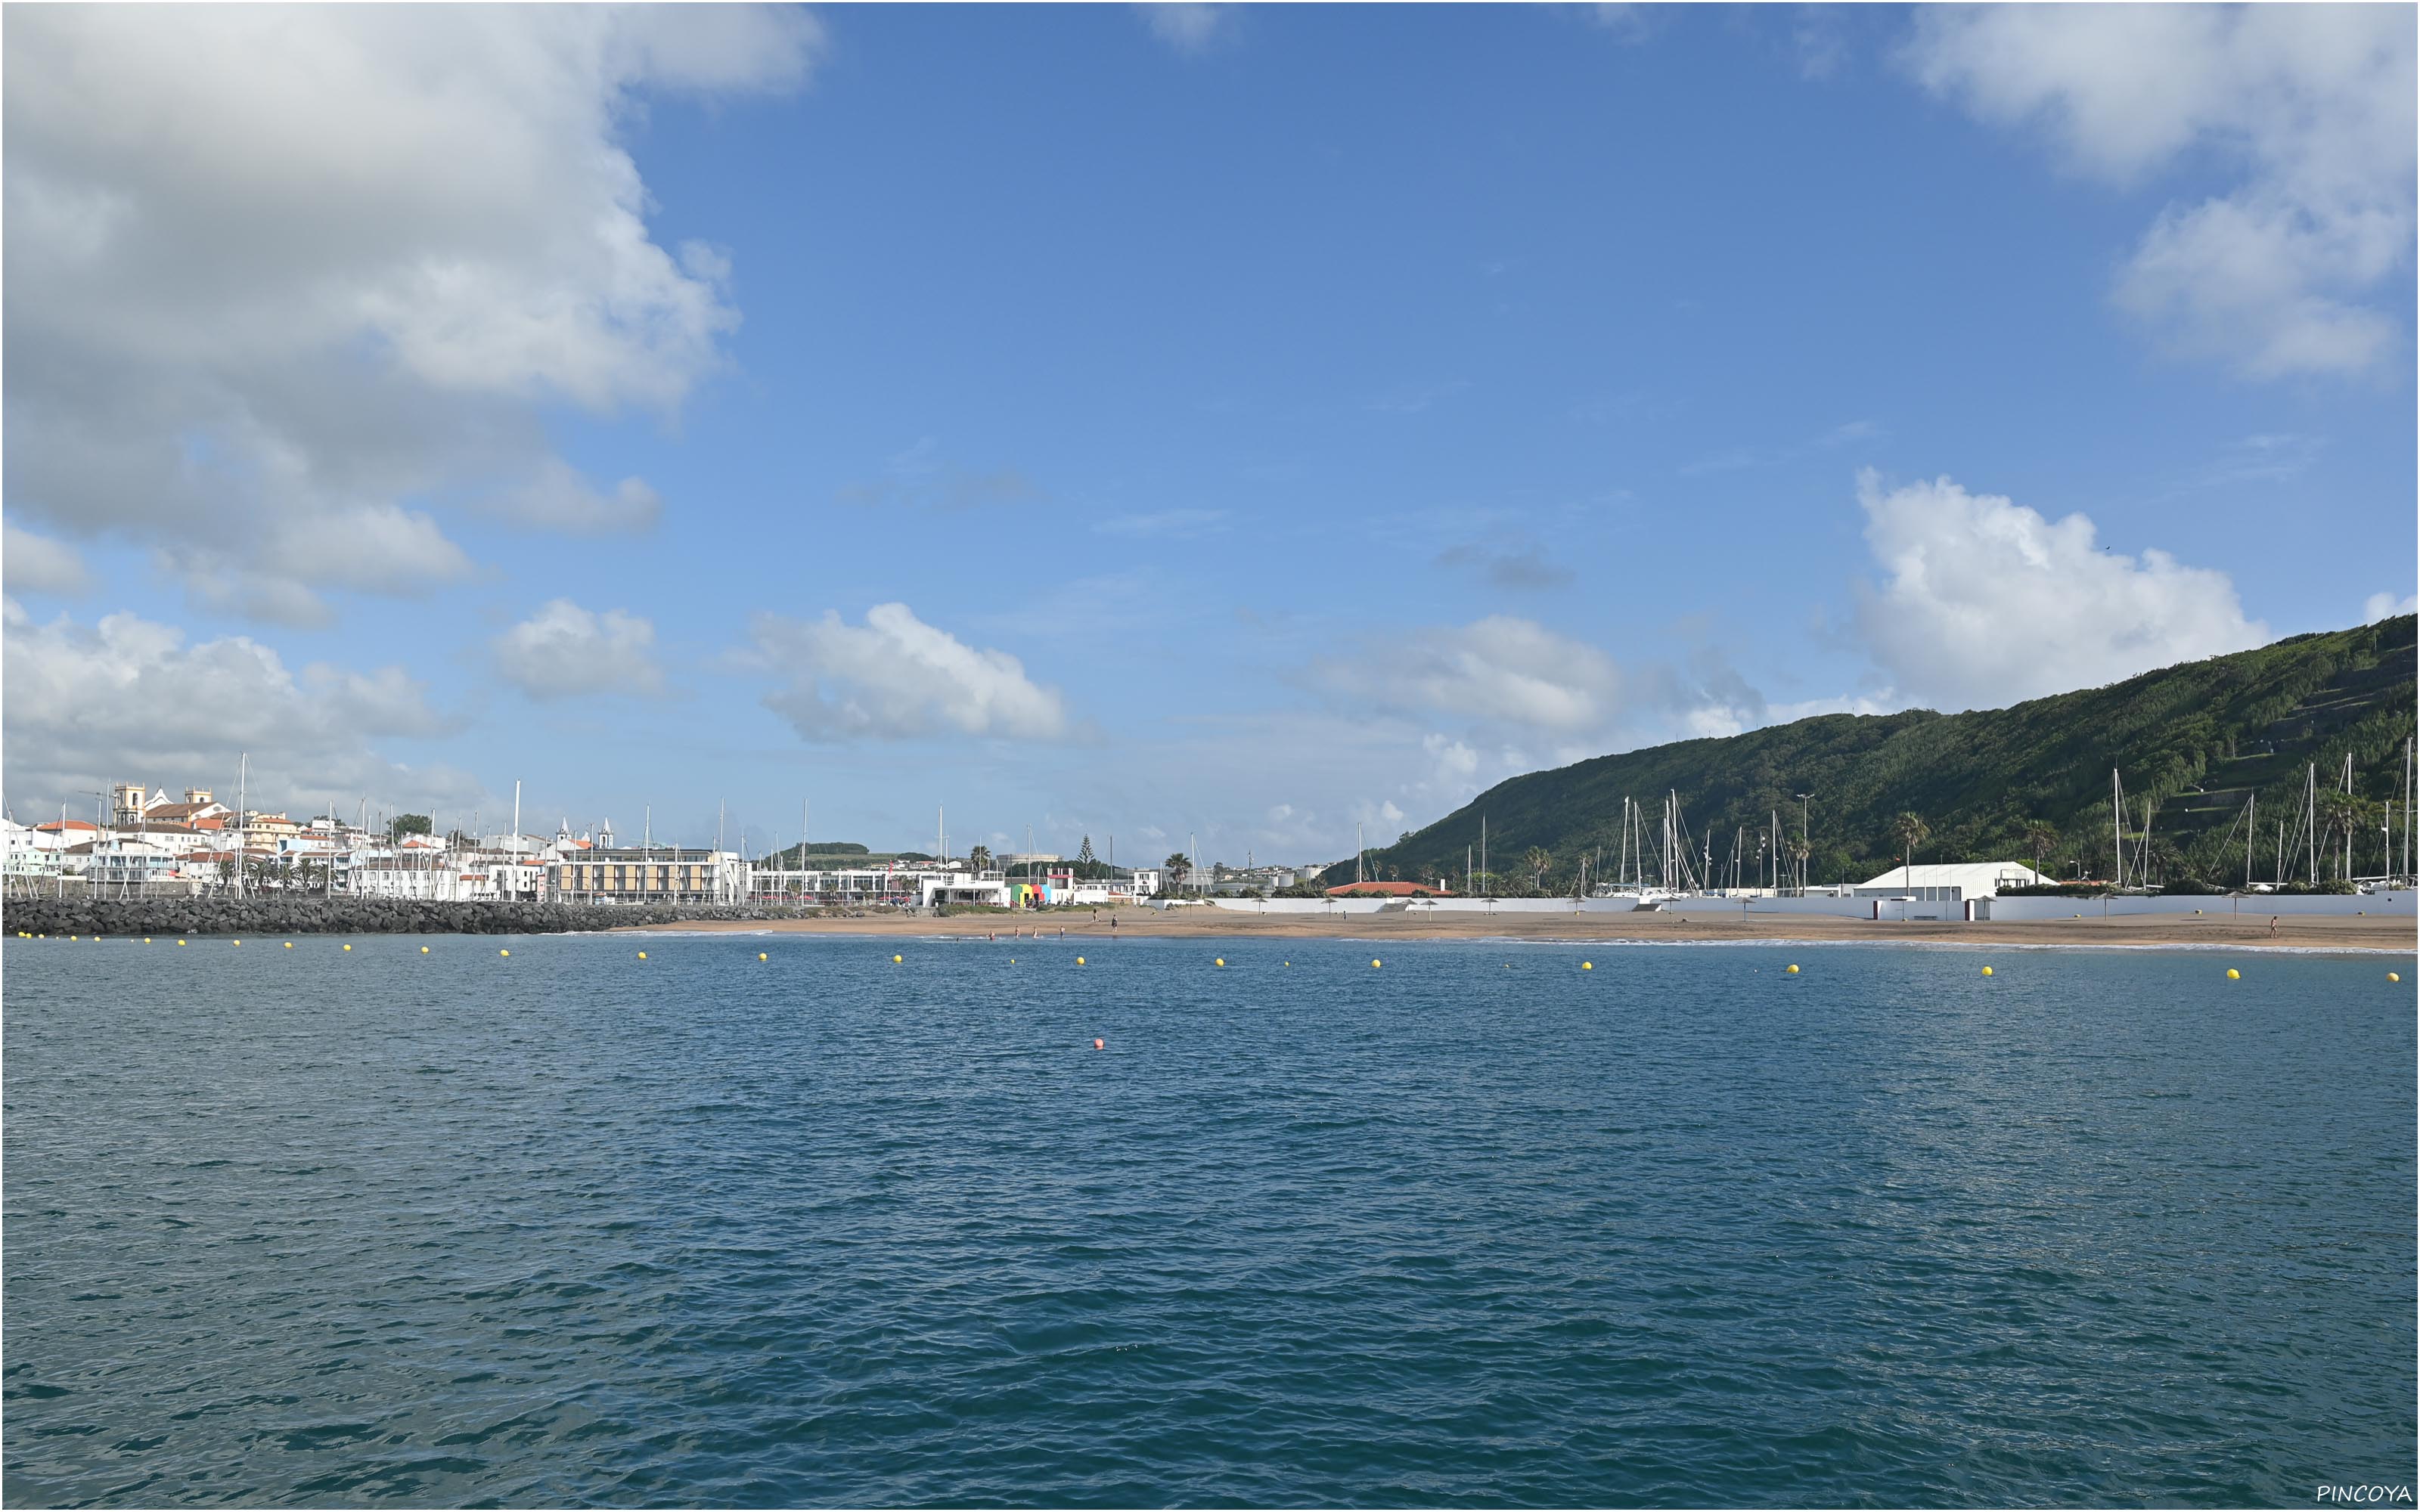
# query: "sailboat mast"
{"points": [[2117, 826]]}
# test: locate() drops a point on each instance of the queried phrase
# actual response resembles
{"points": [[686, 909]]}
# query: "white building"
{"points": [[123, 865], [1950, 881], [962, 887]]}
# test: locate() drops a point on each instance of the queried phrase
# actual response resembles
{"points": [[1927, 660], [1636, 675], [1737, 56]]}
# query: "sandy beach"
{"points": [[2217, 929]]}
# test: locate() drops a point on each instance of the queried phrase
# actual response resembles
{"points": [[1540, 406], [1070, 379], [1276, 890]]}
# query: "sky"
{"points": [[1225, 427]]}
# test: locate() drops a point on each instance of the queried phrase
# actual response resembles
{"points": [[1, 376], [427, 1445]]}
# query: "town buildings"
{"points": [[144, 841]]}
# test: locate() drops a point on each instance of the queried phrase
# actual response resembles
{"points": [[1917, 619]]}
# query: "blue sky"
{"points": [[1236, 423]]}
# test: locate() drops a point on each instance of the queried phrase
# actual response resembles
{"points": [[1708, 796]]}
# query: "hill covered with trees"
{"points": [[2194, 741]]}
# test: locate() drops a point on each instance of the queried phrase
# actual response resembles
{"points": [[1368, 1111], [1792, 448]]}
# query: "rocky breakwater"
{"points": [[273, 914]]}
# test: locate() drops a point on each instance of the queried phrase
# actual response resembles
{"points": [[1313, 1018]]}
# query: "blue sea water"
{"points": [[321, 1226]]}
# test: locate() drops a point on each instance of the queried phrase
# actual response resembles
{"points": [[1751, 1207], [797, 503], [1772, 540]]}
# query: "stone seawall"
{"points": [[348, 915]]}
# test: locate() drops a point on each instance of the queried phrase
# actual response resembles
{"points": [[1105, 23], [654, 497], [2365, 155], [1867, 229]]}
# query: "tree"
{"points": [[409, 823], [2041, 835], [1176, 871], [1912, 830], [1536, 859], [979, 858], [2341, 813], [1799, 850], [1084, 853]]}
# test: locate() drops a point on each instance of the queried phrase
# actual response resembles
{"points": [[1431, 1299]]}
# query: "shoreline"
{"points": [[2380, 936]]}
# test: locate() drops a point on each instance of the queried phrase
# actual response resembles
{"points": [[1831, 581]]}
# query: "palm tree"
{"points": [[1799, 850], [2041, 835], [1536, 860], [1912, 831], [2342, 813], [979, 858]]}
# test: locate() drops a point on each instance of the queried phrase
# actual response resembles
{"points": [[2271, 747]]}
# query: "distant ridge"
{"points": [[2195, 738]]}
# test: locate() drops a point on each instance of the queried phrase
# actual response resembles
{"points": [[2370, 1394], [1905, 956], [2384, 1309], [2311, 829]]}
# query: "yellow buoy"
{"points": [[1987, 971], [643, 955], [290, 945], [1373, 965], [1588, 966], [1079, 960], [180, 942], [1219, 962], [503, 953], [146, 939], [72, 938], [2233, 975], [1793, 969], [896, 959], [423, 950], [760, 955], [2395, 976]]}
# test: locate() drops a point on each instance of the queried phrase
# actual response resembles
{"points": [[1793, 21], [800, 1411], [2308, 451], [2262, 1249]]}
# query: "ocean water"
{"points": [[1474, 1227]]}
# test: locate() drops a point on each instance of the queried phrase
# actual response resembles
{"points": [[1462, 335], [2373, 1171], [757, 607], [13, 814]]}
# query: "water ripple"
{"points": [[384, 1229]]}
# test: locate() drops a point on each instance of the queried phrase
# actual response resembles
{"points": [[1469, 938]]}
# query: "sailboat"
{"points": [[1630, 884]]}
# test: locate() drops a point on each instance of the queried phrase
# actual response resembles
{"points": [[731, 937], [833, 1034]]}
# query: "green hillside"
{"points": [[2196, 740]]}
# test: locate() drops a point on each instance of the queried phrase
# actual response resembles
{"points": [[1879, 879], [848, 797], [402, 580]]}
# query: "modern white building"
{"points": [[124, 865], [1951, 881], [988, 888]]}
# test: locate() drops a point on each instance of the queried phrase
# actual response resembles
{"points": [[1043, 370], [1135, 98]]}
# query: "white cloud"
{"points": [[1986, 602], [1629, 24], [39, 565], [564, 650], [2301, 266], [895, 677], [281, 273], [558, 498], [1187, 28], [126, 700], [1500, 669], [2386, 606]]}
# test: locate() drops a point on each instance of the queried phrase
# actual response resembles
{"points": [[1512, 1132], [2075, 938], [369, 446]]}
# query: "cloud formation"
{"points": [[2386, 606], [564, 650], [558, 498], [39, 565], [1985, 602], [1501, 670], [126, 700], [2299, 267], [898, 678], [1190, 28], [295, 277]]}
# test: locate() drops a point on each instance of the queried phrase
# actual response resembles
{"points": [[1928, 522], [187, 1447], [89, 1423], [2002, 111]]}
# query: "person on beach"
{"points": [[2273, 926]]}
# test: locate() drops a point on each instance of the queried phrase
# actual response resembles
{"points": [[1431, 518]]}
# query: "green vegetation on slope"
{"points": [[2196, 740]]}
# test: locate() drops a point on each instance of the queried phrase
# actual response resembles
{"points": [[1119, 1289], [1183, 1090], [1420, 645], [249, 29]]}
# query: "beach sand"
{"points": [[2249, 929]]}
